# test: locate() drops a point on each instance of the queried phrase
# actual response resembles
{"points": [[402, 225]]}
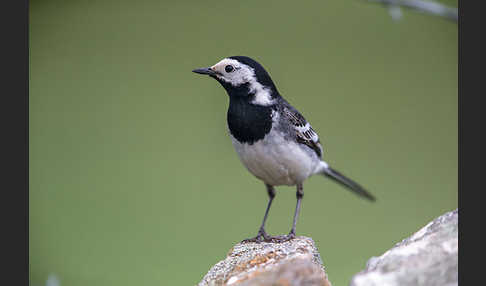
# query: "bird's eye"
{"points": [[228, 68]]}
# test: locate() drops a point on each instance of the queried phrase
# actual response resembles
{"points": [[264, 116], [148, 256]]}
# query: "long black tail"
{"points": [[350, 184]]}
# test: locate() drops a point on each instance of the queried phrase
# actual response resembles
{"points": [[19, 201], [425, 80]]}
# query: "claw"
{"points": [[252, 239], [280, 238], [261, 236]]}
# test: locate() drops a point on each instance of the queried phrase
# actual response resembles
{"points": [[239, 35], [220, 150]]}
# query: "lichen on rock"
{"points": [[429, 258], [295, 262]]}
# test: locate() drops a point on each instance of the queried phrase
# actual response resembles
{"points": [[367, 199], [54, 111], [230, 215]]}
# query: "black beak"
{"points": [[207, 71]]}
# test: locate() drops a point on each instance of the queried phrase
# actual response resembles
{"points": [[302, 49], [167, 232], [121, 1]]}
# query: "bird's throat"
{"points": [[247, 122]]}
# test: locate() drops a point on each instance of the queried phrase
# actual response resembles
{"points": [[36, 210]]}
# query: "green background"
{"points": [[133, 178]]}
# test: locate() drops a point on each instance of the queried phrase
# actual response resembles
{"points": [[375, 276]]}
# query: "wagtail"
{"points": [[273, 140]]}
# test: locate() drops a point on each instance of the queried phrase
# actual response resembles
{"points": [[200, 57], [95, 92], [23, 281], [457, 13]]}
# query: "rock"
{"points": [[429, 257], [295, 262]]}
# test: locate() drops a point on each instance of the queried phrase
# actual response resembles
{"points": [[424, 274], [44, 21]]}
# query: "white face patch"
{"points": [[241, 74]]}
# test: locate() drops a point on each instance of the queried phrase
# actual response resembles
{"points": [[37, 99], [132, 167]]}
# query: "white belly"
{"points": [[277, 161]]}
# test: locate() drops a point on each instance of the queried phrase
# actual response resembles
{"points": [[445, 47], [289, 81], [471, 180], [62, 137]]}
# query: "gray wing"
{"points": [[303, 130]]}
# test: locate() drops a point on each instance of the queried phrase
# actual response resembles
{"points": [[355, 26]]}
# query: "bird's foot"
{"points": [[261, 236], [280, 238]]}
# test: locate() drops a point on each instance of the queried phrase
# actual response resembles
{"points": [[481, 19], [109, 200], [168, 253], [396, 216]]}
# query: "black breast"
{"points": [[247, 122]]}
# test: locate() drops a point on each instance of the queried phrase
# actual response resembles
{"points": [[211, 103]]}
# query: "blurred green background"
{"points": [[133, 178]]}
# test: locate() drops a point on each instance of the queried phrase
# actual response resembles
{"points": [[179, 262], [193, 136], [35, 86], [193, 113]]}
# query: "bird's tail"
{"points": [[326, 170]]}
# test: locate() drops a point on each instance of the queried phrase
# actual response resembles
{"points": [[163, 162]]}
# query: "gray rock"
{"points": [[429, 257], [295, 262]]}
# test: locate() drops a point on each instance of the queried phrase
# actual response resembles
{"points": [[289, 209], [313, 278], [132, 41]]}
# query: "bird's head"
{"points": [[243, 77]]}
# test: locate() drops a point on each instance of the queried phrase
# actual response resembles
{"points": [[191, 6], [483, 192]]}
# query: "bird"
{"points": [[273, 140]]}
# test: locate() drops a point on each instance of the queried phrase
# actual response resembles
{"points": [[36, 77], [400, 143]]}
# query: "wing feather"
{"points": [[303, 130]]}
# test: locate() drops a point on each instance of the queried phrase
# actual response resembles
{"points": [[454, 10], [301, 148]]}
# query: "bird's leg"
{"points": [[300, 195], [262, 235], [291, 235]]}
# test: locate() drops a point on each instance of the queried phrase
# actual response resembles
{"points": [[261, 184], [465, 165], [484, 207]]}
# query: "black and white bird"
{"points": [[273, 140]]}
